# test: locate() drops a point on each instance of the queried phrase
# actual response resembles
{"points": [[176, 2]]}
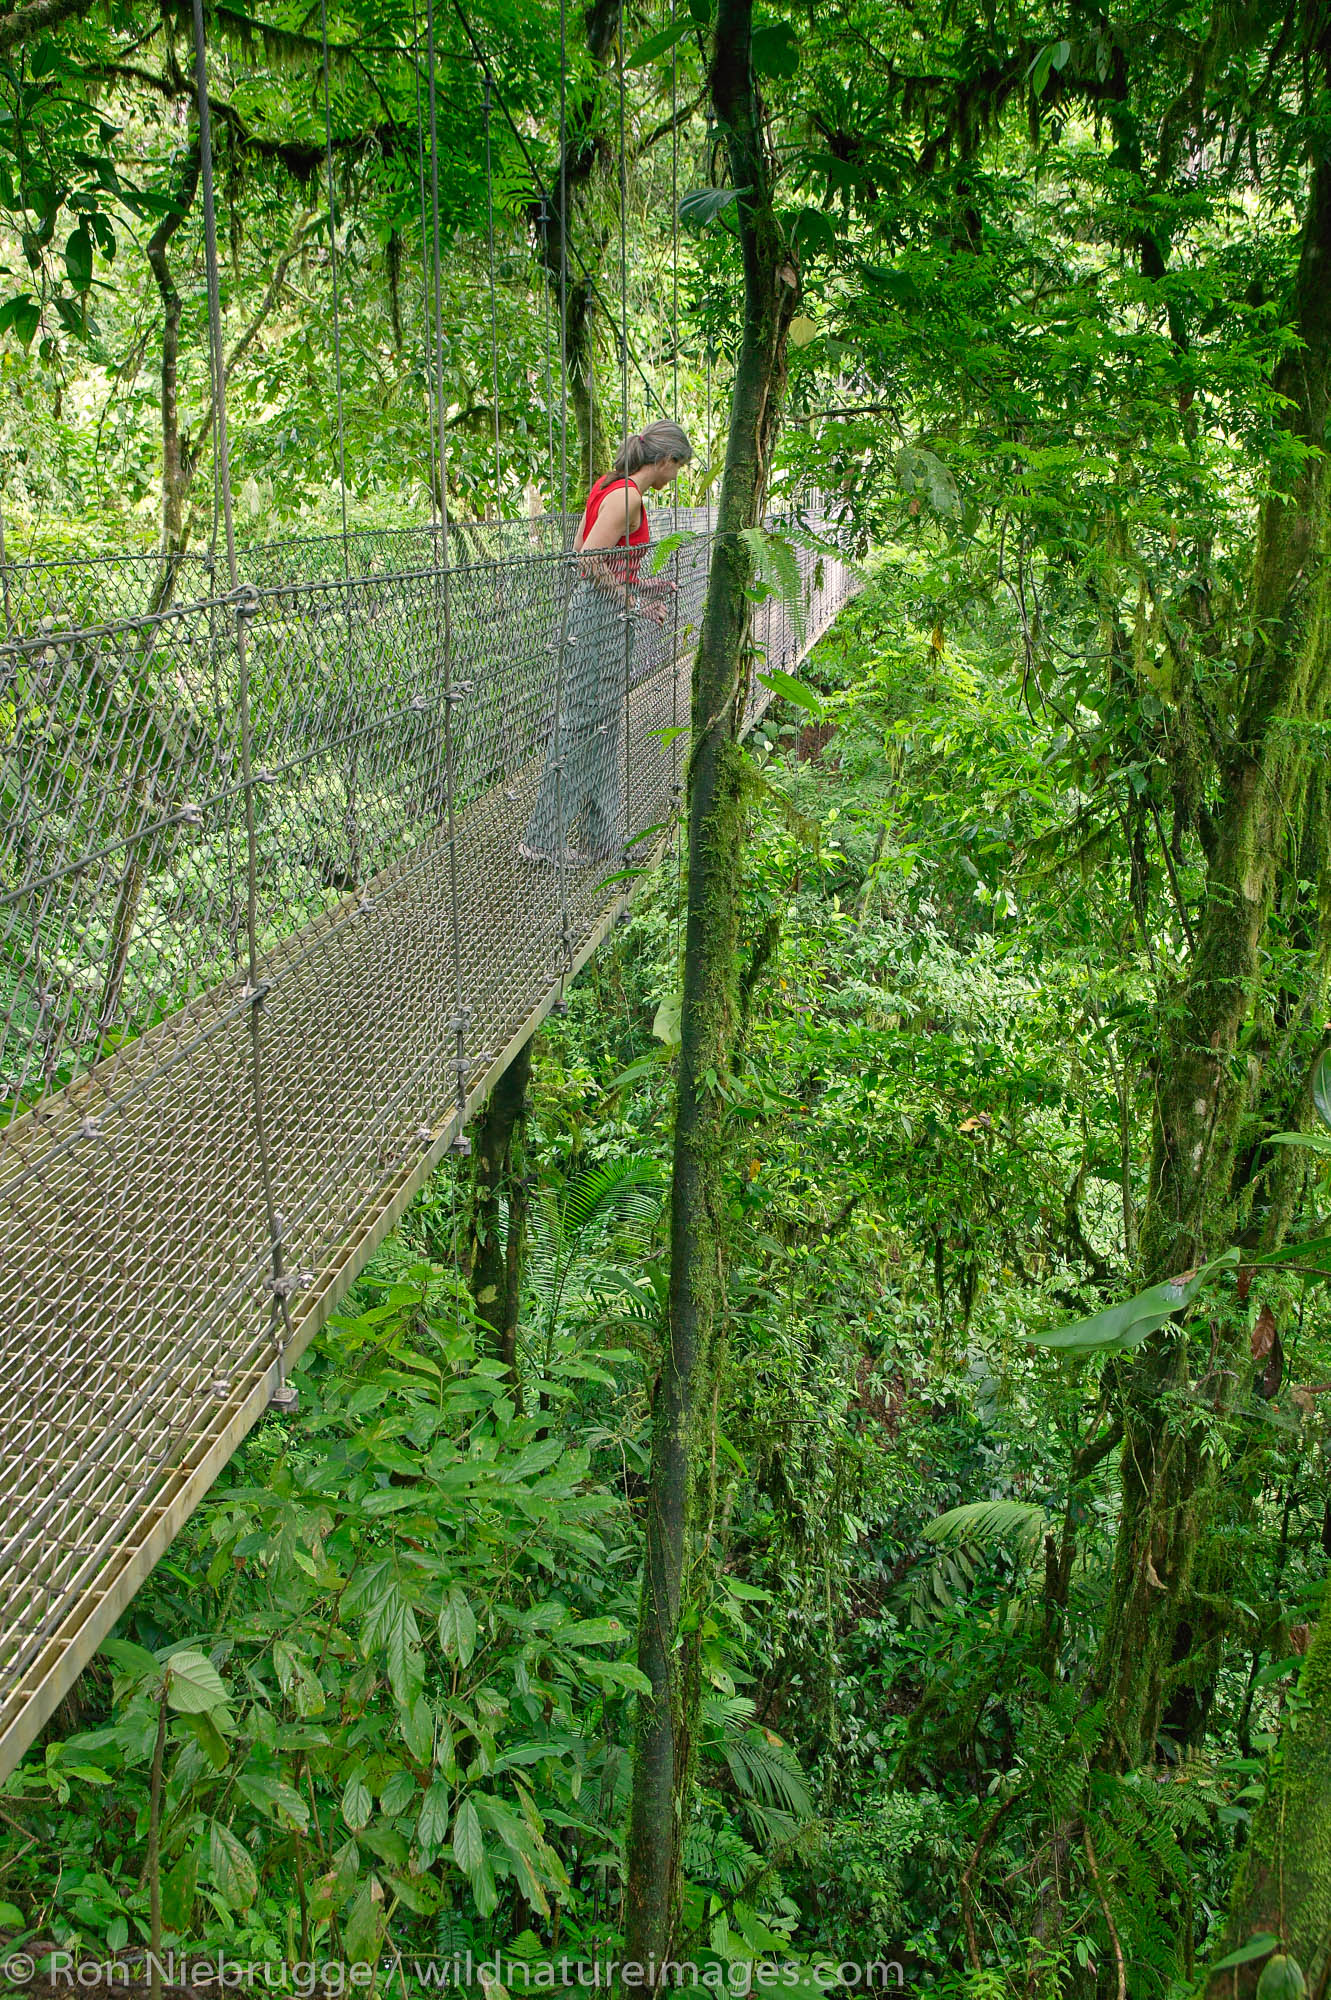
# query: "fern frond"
{"points": [[726, 1711], [776, 566]]}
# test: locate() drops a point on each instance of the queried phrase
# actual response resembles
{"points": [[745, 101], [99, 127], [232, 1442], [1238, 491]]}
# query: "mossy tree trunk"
{"points": [[499, 1211], [680, 1499], [1205, 1075], [1283, 1883]]}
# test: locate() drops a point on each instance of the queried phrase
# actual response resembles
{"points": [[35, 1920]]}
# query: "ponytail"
{"points": [[650, 445]]}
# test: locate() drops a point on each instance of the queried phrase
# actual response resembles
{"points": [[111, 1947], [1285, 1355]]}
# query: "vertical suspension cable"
{"points": [[563, 573], [426, 369], [711, 480], [332, 252], [624, 415], [460, 1018], [543, 224], [350, 772], [279, 1284], [494, 320], [558, 650], [434, 472], [4, 572], [563, 260], [675, 761]]}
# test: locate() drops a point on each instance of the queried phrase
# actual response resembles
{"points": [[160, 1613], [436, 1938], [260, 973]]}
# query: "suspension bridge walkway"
{"points": [[266, 941]]}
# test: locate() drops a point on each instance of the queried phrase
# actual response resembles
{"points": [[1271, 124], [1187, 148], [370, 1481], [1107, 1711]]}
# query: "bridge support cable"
{"points": [[255, 989], [451, 692]]}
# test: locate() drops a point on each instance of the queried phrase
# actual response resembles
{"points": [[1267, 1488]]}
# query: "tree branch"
{"points": [[272, 292], [36, 18], [669, 125]]}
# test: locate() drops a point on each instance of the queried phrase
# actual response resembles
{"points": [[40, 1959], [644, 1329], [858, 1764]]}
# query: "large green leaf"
{"points": [[1256, 1947], [593, 1632], [78, 259], [178, 1888], [656, 45], [21, 315], [134, 1660], [776, 50], [1311, 1142], [468, 1844], [363, 1930], [793, 691], [702, 205], [203, 1727], [390, 1625], [274, 1797], [232, 1867], [432, 1821], [357, 1803], [1282, 1979], [193, 1683], [457, 1627], [1124, 1326]]}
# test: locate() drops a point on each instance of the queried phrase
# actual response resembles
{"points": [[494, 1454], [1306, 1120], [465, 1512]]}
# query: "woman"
{"points": [[582, 784]]}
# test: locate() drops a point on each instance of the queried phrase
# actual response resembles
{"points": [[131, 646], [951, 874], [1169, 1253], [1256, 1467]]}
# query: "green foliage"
{"points": [[403, 1678], [1043, 263]]}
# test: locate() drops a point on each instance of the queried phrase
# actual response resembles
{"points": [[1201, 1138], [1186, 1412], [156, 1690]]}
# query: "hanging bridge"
{"points": [[266, 941]]}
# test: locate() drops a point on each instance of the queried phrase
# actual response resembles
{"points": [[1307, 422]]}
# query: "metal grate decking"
{"points": [[157, 1250]]}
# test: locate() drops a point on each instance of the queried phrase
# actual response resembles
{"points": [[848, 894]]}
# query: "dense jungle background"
{"points": [[996, 1648]]}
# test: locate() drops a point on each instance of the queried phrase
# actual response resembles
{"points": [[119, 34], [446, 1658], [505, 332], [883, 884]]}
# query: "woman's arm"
{"points": [[620, 513]]}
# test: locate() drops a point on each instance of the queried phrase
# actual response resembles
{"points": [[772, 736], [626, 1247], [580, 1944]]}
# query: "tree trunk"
{"points": [[594, 453], [495, 1261], [681, 1486], [572, 287], [175, 451], [1283, 1883], [1204, 1078]]}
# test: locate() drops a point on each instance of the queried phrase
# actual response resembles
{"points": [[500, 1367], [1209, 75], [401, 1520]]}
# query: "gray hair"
{"points": [[651, 444]]}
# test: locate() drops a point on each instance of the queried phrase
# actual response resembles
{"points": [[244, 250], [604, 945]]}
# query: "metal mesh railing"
{"points": [[167, 1251]]}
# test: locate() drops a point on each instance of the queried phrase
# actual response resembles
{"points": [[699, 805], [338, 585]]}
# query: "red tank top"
{"points": [[642, 533]]}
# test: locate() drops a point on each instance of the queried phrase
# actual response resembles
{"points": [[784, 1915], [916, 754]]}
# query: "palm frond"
{"points": [[718, 1856], [985, 1522], [630, 1187], [767, 1772]]}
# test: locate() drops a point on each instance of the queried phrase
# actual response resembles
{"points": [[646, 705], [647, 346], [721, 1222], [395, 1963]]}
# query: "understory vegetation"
{"points": [[840, 1479]]}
